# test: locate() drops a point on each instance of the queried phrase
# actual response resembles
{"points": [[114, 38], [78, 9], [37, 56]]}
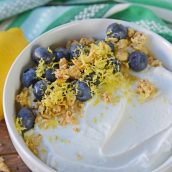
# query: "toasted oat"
{"points": [[107, 98], [3, 166], [71, 100], [138, 41], [86, 41], [63, 63], [74, 72], [76, 130], [68, 113], [79, 157], [78, 63], [57, 109], [154, 62], [122, 55], [62, 74], [71, 114], [33, 142], [145, 89], [68, 44], [47, 123], [23, 97], [131, 32], [123, 43]]}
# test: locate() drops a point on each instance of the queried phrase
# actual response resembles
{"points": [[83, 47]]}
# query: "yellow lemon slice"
{"points": [[11, 44]]}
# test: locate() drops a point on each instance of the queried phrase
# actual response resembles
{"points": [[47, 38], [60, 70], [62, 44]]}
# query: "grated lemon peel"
{"points": [[33, 141], [18, 125], [41, 68]]}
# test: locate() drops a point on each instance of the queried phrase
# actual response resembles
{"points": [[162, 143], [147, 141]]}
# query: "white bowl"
{"points": [[86, 28]]}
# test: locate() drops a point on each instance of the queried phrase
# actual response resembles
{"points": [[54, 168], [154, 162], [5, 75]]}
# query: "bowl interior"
{"points": [[89, 28]]}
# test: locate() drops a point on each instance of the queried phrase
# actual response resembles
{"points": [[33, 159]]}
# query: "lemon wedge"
{"points": [[11, 44]]}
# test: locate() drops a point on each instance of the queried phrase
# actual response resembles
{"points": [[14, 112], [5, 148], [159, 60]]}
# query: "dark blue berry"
{"points": [[116, 63], [116, 30], [112, 46], [28, 77], [41, 53], [61, 53], [39, 89], [50, 75], [27, 118], [137, 61], [83, 92], [75, 50]]}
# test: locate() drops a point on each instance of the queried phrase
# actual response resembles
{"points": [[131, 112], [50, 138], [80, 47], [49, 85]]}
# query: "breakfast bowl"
{"points": [[144, 143]]}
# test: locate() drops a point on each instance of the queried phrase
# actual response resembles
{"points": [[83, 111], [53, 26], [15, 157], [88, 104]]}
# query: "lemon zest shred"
{"points": [[40, 69], [95, 120], [47, 123], [18, 125], [49, 50], [44, 151], [50, 139]]}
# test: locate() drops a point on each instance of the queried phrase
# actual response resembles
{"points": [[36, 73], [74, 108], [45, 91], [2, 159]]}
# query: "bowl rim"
{"points": [[12, 132]]}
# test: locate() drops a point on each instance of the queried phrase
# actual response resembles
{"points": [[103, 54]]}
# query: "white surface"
{"points": [[88, 28]]}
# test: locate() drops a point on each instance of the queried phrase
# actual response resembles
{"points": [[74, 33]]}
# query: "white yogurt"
{"points": [[116, 138]]}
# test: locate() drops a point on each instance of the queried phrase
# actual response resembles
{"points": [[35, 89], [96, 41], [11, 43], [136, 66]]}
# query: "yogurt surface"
{"points": [[126, 136]]}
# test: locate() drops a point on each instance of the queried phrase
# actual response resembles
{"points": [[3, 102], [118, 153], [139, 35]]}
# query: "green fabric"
{"points": [[17, 22], [57, 12], [158, 3], [71, 14]]}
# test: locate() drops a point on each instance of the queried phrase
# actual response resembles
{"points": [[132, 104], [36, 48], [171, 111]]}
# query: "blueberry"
{"points": [[28, 77], [116, 63], [75, 50], [39, 89], [112, 46], [116, 30], [50, 75], [41, 53], [61, 53], [137, 61], [27, 118], [83, 92]]}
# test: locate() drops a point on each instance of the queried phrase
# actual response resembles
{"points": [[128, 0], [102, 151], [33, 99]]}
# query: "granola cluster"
{"points": [[22, 97], [33, 141], [145, 89], [154, 62]]}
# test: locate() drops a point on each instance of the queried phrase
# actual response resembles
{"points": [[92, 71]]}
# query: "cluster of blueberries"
{"points": [[137, 62]]}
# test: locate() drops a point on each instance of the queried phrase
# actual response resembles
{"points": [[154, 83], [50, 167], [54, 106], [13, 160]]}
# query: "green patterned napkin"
{"points": [[151, 14]]}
